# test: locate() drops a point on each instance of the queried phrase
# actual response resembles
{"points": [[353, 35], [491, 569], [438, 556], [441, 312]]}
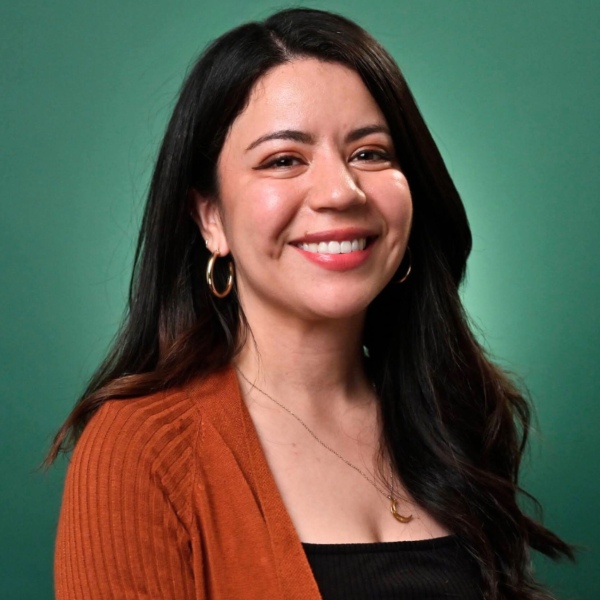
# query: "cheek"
{"points": [[275, 203], [394, 201], [405, 211], [259, 213]]}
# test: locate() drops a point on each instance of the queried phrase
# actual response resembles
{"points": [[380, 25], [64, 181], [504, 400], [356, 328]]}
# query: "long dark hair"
{"points": [[455, 425]]}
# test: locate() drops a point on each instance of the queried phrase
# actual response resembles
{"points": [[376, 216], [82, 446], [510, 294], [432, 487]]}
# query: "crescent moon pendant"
{"points": [[396, 514]]}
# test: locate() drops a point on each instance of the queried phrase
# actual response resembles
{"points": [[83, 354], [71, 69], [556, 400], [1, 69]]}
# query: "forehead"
{"points": [[309, 95], [290, 77]]}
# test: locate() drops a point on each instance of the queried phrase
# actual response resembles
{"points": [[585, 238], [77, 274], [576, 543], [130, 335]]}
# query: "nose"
{"points": [[334, 185]]}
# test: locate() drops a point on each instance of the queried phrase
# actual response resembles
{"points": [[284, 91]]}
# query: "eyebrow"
{"points": [[362, 132], [283, 134], [306, 138]]}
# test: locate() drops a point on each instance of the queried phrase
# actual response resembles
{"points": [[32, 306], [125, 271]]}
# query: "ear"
{"points": [[204, 209]]}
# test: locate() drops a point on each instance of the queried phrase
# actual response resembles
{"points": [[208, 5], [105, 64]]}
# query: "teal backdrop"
{"points": [[511, 92]]}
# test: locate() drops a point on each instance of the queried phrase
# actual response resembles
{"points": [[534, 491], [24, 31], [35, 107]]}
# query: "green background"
{"points": [[510, 90]]}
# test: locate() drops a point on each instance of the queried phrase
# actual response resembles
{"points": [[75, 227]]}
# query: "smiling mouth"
{"points": [[335, 247]]}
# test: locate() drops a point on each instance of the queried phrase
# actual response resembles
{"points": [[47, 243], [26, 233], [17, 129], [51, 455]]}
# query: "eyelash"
{"points": [[273, 163], [379, 155]]}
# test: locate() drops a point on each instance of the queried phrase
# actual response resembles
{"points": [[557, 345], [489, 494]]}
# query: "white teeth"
{"points": [[334, 247]]}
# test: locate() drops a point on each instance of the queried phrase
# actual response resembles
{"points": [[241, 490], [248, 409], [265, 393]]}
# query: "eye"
{"points": [[284, 161], [371, 155]]}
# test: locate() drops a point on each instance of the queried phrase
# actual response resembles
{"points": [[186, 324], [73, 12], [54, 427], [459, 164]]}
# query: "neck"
{"points": [[314, 365]]}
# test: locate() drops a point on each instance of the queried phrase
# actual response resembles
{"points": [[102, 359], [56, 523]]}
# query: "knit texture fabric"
{"points": [[170, 497]]}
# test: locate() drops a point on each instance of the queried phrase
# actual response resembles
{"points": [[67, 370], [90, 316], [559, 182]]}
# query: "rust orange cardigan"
{"points": [[170, 497]]}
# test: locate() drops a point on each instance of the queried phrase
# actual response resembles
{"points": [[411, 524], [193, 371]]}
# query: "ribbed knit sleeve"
{"points": [[124, 529]]}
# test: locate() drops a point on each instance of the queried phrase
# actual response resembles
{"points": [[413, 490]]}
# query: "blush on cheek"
{"points": [[276, 209]]}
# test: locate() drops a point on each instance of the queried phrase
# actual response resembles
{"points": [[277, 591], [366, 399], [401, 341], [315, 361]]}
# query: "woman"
{"points": [[295, 406]]}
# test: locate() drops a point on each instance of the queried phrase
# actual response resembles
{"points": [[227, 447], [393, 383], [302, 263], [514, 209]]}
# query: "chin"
{"points": [[341, 310]]}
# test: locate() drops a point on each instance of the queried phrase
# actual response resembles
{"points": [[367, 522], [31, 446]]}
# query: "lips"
{"points": [[337, 250], [341, 241], [335, 247]]}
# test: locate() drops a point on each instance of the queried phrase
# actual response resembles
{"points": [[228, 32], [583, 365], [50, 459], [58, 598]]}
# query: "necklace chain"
{"points": [[389, 495]]}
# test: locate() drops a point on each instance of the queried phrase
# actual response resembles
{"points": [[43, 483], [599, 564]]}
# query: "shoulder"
{"points": [[127, 517], [156, 442], [130, 446], [149, 425], [160, 430]]}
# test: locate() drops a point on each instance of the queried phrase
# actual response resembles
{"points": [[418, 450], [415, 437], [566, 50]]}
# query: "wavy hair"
{"points": [[455, 425]]}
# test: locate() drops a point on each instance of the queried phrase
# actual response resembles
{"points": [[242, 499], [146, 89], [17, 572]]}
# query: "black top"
{"points": [[424, 569]]}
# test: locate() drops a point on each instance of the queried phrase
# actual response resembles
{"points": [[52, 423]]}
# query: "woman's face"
{"points": [[312, 204]]}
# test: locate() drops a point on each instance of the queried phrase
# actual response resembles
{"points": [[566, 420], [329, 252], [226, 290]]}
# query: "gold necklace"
{"points": [[390, 496]]}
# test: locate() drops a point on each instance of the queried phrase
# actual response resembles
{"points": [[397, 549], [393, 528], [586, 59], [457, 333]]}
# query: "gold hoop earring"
{"points": [[405, 277], [210, 279]]}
